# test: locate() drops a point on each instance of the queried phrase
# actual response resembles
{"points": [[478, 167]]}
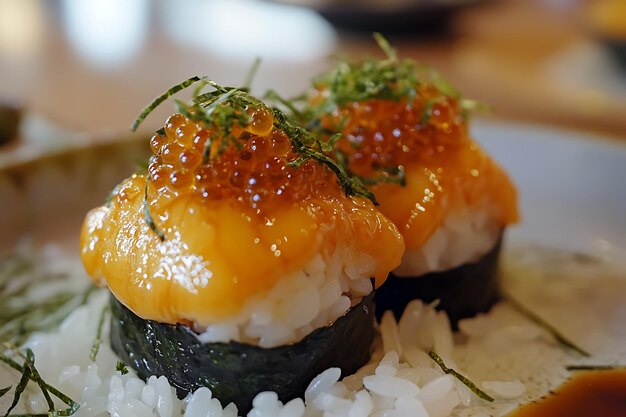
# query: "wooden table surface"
{"points": [[531, 60]]}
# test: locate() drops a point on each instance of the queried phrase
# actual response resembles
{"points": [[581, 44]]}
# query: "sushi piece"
{"points": [[244, 260], [404, 130]]}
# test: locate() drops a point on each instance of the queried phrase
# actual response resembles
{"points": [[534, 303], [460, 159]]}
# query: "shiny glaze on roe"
{"points": [[233, 225], [445, 170]]}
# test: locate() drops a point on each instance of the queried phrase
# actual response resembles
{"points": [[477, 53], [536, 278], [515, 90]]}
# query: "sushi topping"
{"points": [[226, 144], [393, 123], [406, 106], [393, 79], [259, 167], [230, 179]]}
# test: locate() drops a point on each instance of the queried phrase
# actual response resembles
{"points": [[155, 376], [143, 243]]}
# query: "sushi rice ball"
{"points": [[404, 130], [244, 259]]}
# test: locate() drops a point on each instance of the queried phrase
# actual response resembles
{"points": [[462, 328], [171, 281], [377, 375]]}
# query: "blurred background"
{"points": [[89, 66]]}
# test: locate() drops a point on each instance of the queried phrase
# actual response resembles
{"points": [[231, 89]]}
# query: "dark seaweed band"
{"points": [[462, 292], [236, 372]]}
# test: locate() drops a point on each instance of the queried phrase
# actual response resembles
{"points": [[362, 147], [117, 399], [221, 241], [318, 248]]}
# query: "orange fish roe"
{"points": [[383, 134], [428, 141], [259, 173]]}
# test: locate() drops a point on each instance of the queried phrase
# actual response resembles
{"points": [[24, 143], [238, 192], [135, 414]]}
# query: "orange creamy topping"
{"points": [[233, 226], [445, 169]]}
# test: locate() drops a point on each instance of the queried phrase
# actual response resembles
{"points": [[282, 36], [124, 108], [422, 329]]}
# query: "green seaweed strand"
{"points": [[20, 317], [466, 381], [27, 374], [95, 347], [160, 99], [226, 107], [383, 44], [29, 361], [389, 79], [542, 323], [594, 367], [300, 136], [121, 367], [252, 73], [19, 389], [148, 216]]}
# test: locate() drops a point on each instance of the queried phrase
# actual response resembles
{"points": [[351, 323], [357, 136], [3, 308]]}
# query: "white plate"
{"points": [[572, 186]]}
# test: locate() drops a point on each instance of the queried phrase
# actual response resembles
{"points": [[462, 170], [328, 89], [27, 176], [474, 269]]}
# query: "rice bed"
{"points": [[506, 355]]}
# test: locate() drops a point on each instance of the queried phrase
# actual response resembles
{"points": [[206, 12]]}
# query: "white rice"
{"points": [[502, 352], [466, 235], [301, 302]]}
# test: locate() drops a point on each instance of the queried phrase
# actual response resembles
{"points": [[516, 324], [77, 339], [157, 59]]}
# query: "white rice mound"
{"points": [[301, 302], [466, 235], [505, 354]]}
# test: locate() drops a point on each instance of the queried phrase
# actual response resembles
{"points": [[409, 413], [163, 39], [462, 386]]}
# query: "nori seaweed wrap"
{"points": [[461, 292], [236, 372]]}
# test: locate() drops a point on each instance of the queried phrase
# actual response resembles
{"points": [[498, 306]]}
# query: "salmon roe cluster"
{"points": [[258, 172], [383, 134]]}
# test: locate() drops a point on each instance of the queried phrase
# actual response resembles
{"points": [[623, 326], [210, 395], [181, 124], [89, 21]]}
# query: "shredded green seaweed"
{"points": [[388, 79], [466, 381], [30, 373], [393, 175], [19, 389], [541, 322], [29, 361], [160, 99], [148, 216], [384, 44], [20, 315], [95, 347], [305, 143], [225, 108], [350, 82], [252, 73], [594, 367], [121, 367]]}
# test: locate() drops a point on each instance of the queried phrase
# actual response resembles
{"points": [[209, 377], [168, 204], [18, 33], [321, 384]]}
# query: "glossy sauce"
{"points": [[234, 225], [587, 394], [445, 169]]}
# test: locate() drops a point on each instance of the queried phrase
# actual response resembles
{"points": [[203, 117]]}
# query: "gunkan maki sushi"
{"points": [[404, 130], [244, 259]]}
